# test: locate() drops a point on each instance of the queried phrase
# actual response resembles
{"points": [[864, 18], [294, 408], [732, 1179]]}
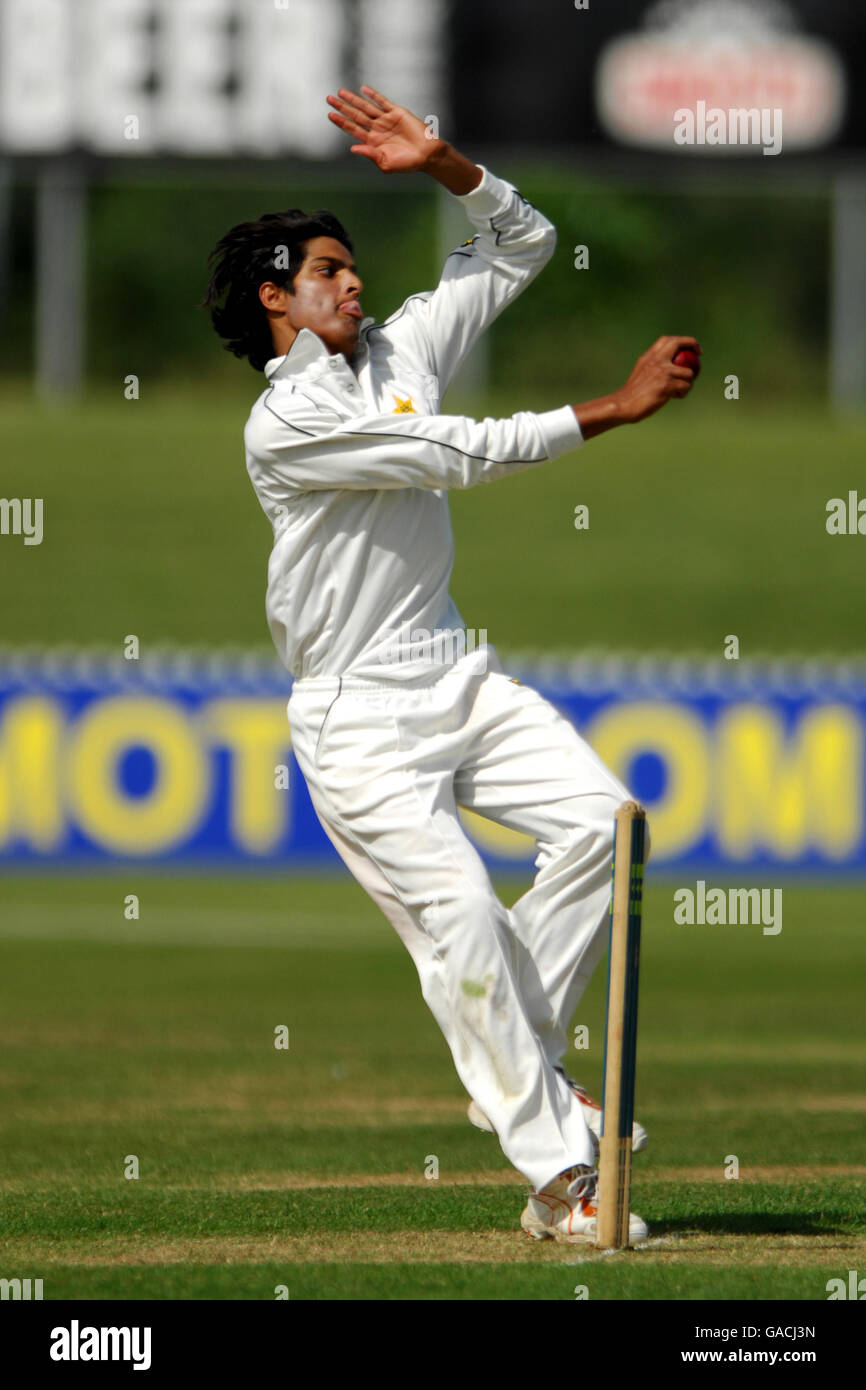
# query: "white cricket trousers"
{"points": [[386, 767]]}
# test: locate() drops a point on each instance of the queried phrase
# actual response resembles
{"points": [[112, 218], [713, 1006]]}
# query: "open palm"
{"points": [[395, 139]]}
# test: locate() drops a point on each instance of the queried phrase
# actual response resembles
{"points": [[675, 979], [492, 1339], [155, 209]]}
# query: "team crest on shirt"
{"points": [[403, 407]]}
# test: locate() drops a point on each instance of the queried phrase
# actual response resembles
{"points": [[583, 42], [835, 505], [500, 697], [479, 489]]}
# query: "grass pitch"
{"points": [[306, 1167]]}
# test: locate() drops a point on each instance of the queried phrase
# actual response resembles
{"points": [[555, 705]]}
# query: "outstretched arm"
{"points": [[301, 450], [512, 240]]}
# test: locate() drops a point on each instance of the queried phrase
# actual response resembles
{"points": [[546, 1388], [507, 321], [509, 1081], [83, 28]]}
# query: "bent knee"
{"points": [[590, 832]]}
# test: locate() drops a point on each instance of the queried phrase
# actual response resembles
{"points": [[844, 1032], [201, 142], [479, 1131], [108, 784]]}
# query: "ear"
{"points": [[272, 296]]}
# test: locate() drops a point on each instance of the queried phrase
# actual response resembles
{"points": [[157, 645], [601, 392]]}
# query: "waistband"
{"points": [[335, 685]]}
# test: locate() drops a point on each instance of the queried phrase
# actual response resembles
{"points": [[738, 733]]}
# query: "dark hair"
{"points": [[244, 259]]}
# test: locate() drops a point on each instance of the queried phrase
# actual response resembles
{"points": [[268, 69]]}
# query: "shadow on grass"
{"points": [[754, 1223]]}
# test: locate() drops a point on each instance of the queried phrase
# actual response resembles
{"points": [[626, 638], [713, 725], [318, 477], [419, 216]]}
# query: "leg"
{"points": [[380, 773], [530, 770]]}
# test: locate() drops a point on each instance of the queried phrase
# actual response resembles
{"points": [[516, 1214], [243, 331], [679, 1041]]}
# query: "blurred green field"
{"points": [[306, 1167], [706, 520], [749, 277]]}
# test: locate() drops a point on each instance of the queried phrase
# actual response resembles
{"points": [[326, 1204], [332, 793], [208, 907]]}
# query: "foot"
{"points": [[566, 1210], [591, 1113]]}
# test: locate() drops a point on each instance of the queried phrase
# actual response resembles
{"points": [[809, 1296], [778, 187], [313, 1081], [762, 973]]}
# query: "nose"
{"points": [[352, 283]]}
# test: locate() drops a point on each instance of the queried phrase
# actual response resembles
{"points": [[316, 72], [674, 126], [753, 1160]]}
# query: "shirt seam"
{"points": [[387, 434]]}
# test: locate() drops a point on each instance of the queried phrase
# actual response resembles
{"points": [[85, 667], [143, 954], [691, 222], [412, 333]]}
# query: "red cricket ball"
{"points": [[686, 358]]}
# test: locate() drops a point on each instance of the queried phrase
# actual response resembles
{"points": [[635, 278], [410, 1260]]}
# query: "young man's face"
{"points": [[325, 298]]}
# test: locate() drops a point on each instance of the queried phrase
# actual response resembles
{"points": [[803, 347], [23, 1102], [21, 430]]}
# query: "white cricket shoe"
{"points": [[591, 1113], [567, 1210]]}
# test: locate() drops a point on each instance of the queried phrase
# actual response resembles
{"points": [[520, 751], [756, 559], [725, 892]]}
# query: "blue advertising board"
{"points": [[182, 758]]}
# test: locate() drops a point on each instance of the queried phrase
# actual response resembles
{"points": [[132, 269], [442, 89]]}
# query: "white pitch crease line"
{"points": [[606, 1254]]}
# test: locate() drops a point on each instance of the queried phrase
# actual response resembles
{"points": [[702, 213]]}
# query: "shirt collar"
{"points": [[306, 350]]}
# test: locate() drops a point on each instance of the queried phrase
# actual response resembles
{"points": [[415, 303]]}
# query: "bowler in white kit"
{"points": [[396, 719]]}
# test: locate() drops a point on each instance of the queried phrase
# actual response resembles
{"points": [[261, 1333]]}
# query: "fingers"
{"points": [[352, 128], [361, 104], [383, 101], [349, 113], [349, 126], [672, 343], [664, 349], [679, 383], [358, 107], [656, 379]]}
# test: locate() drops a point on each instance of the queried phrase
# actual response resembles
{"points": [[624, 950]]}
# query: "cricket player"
{"points": [[395, 719]]}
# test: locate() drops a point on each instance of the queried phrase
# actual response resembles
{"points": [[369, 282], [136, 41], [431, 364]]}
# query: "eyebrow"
{"points": [[335, 260]]}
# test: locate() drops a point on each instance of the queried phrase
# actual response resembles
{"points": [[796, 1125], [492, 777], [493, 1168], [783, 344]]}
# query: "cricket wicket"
{"points": [[620, 1039]]}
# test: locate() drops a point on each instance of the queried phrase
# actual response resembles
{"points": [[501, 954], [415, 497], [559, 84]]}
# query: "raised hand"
{"points": [[392, 137]]}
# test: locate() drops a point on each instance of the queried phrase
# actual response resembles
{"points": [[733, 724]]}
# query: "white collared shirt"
{"points": [[352, 464]]}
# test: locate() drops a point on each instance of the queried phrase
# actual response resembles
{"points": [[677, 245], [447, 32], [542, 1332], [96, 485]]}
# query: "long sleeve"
{"points": [[307, 451], [512, 243]]}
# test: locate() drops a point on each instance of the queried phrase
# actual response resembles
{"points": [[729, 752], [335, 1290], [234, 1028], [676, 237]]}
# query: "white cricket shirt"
{"points": [[352, 463]]}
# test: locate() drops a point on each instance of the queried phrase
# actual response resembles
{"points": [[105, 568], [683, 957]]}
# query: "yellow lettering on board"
{"points": [[256, 732], [680, 739], [789, 794], [31, 809], [137, 825]]}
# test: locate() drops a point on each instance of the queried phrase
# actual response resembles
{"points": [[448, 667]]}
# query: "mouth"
{"points": [[351, 307]]}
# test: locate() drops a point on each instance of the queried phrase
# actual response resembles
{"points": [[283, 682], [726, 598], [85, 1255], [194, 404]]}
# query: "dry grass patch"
{"points": [[828, 1251]]}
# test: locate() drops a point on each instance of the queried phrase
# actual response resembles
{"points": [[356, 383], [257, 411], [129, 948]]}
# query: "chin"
{"points": [[348, 341]]}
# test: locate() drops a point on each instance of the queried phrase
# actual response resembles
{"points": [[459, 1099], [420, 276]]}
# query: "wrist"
{"points": [[601, 414], [451, 168], [436, 156]]}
